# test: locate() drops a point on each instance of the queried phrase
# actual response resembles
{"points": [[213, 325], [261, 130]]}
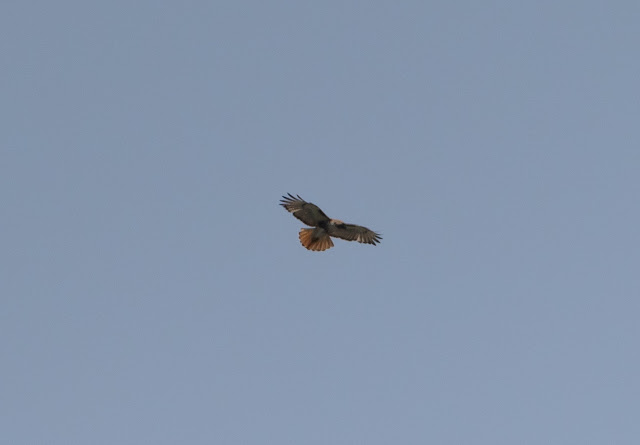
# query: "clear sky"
{"points": [[153, 290]]}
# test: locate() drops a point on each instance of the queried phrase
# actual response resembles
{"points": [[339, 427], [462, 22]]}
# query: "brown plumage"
{"points": [[319, 238]]}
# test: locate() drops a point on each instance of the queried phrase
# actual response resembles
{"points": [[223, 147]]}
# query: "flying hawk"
{"points": [[319, 238]]}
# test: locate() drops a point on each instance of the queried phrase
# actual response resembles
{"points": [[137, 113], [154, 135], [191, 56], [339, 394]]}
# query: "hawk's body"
{"points": [[319, 238]]}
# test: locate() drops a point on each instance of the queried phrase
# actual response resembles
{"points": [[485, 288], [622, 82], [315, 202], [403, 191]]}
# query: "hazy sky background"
{"points": [[153, 291]]}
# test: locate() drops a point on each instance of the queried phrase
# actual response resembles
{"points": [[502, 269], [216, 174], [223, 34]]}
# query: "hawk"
{"points": [[319, 238]]}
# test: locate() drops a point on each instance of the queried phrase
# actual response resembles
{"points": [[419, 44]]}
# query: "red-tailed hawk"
{"points": [[319, 238]]}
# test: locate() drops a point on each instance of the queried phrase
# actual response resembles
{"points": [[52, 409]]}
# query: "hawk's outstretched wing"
{"points": [[308, 213], [353, 232]]}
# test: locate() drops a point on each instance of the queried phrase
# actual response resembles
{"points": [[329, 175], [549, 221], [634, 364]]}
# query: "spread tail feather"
{"points": [[315, 241]]}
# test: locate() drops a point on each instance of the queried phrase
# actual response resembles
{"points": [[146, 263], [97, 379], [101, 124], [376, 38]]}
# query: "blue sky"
{"points": [[153, 291]]}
